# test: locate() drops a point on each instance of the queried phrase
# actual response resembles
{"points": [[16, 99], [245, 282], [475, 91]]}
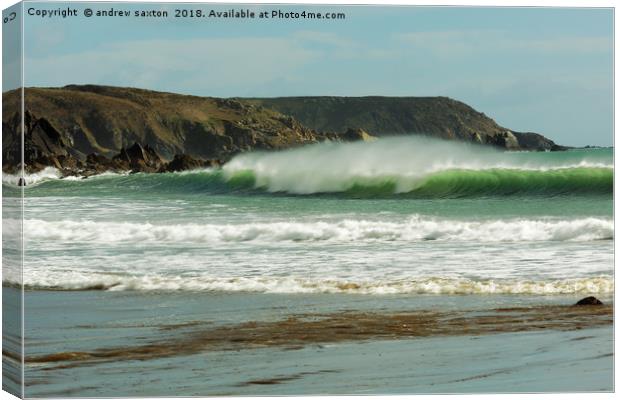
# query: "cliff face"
{"points": [[434, 116], [105, 119], [63, 126]]}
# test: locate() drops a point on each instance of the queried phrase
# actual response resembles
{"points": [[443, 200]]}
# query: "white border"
{"points": [[480, 3]]}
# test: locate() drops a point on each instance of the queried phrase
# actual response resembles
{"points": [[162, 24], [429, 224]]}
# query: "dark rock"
{"points": [[69, 162], [138, 158], [97, 159], [44, 145], [357, 134], [98, 163], [57, 132], [589, 301], [439, 117], [536, 142], [506, 140], [183, 162], [475, 138]]}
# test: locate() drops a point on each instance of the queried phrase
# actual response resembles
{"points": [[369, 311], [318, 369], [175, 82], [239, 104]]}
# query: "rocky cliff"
{"points": [[434, 116], [85, 129]]}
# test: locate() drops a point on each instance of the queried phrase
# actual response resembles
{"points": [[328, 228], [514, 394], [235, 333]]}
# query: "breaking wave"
{"points": [[431, 285], [421, 167], [413, 228], [411, 167], [444, 184], [46, 174]]}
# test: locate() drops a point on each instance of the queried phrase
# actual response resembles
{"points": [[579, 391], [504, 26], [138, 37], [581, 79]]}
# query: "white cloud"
{"points": [[204, 65], [458, 43]]}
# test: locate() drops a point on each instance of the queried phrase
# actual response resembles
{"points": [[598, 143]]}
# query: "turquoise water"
{"points": [[397, 224], [393, 216]]}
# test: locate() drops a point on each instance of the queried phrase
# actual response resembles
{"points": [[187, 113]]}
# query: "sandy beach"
{"points": [[229, 282], [242, 344]]}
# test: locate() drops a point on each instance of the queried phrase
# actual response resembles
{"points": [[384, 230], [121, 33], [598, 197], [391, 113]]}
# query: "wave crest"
{"points": [[411, 167], [291, 285], [414, 228], [421, 167]]}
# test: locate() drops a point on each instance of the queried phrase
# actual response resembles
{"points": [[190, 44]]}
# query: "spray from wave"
{"points": [[426, 167], [51, 174], [46, 174], [414, 167]]}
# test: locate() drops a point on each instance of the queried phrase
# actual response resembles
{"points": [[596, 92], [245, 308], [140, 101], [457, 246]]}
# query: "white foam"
{"points": [[412, 229], [292, 285], [204, 170], [46, 174], [404, 161], [52, 174]]}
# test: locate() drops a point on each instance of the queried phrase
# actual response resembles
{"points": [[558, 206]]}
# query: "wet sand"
{"points": [[308, 329], [158, 344]]}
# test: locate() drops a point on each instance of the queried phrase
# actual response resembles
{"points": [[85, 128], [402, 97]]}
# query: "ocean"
{"points": [[383, 227]]}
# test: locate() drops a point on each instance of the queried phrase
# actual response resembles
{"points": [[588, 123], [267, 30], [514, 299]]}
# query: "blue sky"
{"points": [[547, 70]]}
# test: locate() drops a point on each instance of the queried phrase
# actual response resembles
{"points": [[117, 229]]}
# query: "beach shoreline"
{"points": [[299, 278], [336, 335]]}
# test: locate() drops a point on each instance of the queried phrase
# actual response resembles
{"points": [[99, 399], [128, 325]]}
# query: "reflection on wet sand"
{"points": [[305, 329]]}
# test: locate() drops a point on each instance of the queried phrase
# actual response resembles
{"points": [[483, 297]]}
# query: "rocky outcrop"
{"points": [[589, 301], [357, 134], [139, 158], [433, 116], [94, 128], [97, 163], [183, 162], [536, 142], [44, 145], [104, 120], [506, 140]]}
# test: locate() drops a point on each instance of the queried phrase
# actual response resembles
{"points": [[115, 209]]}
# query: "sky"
{"points": [[545, 70]]}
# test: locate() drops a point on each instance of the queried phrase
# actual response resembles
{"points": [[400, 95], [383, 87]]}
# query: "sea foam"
{"points": [[413, 228], [291, 285], [46, 174], [407, 164]]}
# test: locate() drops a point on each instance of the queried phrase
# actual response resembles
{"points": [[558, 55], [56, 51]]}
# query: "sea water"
{"points": [[379, 225], [394, 216]]}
